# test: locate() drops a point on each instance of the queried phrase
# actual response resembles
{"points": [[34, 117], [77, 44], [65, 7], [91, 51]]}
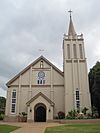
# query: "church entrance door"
{"points": [[40, 113]]}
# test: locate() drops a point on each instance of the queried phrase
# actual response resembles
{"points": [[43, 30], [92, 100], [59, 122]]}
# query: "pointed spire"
{"points": [[71, 31]]}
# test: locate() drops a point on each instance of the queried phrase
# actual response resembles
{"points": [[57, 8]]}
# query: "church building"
{"points": [[42, 90]]}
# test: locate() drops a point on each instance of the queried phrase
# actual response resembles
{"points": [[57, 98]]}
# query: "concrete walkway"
{"points": [[32, 127], [39, 127]]}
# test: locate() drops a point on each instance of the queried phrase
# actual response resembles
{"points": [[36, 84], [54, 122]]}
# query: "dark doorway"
{"points": [[40, 113]]}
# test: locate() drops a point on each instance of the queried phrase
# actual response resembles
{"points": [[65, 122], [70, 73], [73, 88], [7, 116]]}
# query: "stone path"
{"points": [[31, 127]]}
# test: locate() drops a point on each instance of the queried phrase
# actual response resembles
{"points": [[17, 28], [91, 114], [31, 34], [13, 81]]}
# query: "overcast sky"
{"points": [[28, 26]]}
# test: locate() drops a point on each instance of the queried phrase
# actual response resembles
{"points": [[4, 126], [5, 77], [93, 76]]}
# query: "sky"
{"points": [[31, 28]]}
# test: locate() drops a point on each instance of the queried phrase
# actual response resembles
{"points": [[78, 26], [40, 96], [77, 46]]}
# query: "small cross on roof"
{"points": [[70, 11]]}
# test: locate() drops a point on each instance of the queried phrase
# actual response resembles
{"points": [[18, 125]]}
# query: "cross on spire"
{"points": [[71, 30], [70, 12]]}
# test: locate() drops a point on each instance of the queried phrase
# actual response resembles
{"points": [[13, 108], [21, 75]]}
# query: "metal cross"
{"points": [[41, 51], [70, 11]]}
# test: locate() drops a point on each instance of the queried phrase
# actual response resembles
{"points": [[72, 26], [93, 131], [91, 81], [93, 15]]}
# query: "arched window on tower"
{"points": [[68, 51], [81, 51], [74, 51]]}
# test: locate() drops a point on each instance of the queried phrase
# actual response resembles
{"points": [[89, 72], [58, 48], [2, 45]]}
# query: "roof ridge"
{"points": [[37, 95], [34, 62]]}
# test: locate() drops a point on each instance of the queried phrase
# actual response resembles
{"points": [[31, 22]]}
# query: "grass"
{"points": [[7, 128], [75, 128]]}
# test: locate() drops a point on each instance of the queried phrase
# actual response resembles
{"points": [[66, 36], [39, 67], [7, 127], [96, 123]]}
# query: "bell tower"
{"points": [[76, 84]]}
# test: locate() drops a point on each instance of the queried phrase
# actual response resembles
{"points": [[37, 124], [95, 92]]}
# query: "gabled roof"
{"points": [[33, 63], [42, 95]]}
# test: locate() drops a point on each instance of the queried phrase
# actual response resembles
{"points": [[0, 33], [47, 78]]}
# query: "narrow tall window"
{"points": [[41, 78], [13, 101], [81, 51], [68, 51], [41, 64], [77, 99], [74, 51]]}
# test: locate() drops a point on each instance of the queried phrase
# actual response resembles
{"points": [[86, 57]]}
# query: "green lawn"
{"points": [[7, 128], [75, 128]]}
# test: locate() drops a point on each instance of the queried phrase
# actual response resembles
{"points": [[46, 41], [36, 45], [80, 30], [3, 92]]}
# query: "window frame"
{"points": [[12, 102], [40, 80], [77, 99]]}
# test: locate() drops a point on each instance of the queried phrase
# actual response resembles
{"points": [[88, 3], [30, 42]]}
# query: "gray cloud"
{"points": [[27, 26]]}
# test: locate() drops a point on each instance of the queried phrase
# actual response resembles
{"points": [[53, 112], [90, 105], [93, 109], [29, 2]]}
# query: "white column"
{"points": [[73, 84], [19, 96], [52, 90], [30, 84], [8, 102]]}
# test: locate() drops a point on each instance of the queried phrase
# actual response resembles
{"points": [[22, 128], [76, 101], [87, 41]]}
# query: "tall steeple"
{"points": [[71, 31], [75, 71]]}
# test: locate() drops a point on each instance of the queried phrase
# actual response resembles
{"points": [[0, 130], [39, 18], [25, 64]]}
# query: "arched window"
{"points": [[68, 51], [74, 51], [41, 78], [81, 51]]}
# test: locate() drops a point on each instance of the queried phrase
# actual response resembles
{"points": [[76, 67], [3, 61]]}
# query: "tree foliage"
{"points": [[94, 82], [2, 104]]}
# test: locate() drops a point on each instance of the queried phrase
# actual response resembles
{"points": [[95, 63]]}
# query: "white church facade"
{"points": [[42, 90]]}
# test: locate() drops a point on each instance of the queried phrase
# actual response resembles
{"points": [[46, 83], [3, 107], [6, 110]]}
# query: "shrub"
{"points": [[72, 114], [61, 115], [1, 116], [22, 117], [95, 113], [76, 114], [85, 110], [24, 114], [80, 116], [89, 116]]}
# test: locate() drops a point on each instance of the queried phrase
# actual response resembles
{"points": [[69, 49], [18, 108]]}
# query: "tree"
{"points": [[94, 83], [2, 104]]}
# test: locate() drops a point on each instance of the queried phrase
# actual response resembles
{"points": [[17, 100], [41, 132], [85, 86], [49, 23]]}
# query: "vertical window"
{"points": [[78, 105], [74, 51], [41, 78], [41, 64], [13, 101], [68, 51], [81, 51], [77, 99]]}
